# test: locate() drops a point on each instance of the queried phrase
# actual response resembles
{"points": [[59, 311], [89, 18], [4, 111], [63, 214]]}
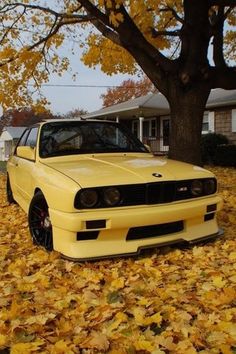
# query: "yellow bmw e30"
{"points": [[91, 190]]}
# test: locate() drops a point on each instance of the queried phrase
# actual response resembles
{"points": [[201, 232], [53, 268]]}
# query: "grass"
{"points": [[3, 166]]}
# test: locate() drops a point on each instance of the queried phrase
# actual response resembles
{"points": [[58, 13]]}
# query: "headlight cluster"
{"points": [[96, 197], [144, 193], [201, 187]]}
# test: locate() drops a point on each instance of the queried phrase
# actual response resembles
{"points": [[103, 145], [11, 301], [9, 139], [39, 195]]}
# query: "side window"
{"points": [[22, 140], [32, 137]]}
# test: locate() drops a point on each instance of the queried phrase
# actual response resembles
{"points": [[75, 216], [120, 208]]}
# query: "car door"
{"points": [[12, 164], [25, 170]]}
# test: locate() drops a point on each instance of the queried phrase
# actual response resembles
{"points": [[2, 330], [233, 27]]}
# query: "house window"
{"points": [[205, 123], [208, 123], [233, 120], [149, 127], [153, 127]]}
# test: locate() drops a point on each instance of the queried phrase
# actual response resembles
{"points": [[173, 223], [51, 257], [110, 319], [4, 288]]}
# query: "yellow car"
{"points": [[92, 190]]}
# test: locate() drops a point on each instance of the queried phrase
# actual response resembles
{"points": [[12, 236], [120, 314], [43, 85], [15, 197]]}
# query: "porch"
{"points": [[147, 117]]}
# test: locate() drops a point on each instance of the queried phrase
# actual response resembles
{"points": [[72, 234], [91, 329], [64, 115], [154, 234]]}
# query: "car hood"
{"points": [[104, 169]]}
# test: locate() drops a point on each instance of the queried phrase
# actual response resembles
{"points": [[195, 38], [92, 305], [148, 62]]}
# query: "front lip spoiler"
{"points": [[180, 242]]}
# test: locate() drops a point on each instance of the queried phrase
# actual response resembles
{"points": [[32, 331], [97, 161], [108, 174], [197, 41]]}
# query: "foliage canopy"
{"points": [[127, 90], [31, 34]]}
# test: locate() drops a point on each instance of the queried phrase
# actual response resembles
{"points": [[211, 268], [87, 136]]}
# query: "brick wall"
{"points": [[223, 124]]}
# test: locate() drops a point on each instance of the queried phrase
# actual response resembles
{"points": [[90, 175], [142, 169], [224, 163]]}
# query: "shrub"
{"points": [[209, 143], [225, 155]]}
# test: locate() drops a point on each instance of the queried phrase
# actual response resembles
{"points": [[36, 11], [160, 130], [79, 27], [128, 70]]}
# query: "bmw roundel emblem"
{"points": [[157, 175]]}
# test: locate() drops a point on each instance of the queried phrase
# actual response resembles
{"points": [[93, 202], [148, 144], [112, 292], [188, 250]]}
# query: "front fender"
{"points": [[58, 189]]}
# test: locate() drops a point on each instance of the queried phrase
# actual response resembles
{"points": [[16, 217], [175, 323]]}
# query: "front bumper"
{"points": [[111, 240]]}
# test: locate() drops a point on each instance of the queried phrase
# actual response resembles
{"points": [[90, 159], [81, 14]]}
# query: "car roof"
{"points": [[69, 120], [77, 120]]}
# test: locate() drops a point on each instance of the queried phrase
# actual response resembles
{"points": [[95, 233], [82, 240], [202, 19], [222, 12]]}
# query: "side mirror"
{"points": [[26, 152]]}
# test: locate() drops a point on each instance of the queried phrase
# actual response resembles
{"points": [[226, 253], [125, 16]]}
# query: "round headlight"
{"points": [[111, 196], [210, 186], [88, 198], [197, 188]]}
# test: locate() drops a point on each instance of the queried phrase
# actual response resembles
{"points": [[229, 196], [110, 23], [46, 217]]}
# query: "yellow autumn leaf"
{"points": [[119, 318], [61, 347], [232, 256], [218, 282], [41, 319], [233, 279], [96, 340], [156, 318], [143, 344], [226, 349], [228, 327], [118, 283], [232, 219], [26, 348], [3, 340]]}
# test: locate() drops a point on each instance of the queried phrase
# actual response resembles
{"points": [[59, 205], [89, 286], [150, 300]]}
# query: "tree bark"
{"points": [[187, 109]]}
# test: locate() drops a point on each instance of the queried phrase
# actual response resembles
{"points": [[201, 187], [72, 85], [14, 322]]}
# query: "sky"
{"points": [[64, 99]]}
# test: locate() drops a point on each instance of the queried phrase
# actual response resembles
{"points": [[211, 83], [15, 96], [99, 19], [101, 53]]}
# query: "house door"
{"points": [[165, 133]]}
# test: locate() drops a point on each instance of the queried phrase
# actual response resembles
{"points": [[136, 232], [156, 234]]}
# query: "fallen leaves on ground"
{"points": [[175, 301]]}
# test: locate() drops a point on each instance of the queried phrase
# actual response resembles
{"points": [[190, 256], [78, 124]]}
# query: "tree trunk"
{"points": [[187, 109]]}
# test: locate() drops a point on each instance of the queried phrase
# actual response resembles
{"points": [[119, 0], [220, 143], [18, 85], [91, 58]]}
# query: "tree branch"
{"points": [[93, 10], [107, 32], [174, 13], [223, 77], [11, 27], [218, 40], [231, 3], [9, 7], [156, 34], [227, 12]]}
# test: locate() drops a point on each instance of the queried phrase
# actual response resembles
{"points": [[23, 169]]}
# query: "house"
{"points": [[149, 117], [8, 140]]}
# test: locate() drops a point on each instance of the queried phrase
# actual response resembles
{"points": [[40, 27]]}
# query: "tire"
{"points": [[10, 198], [39, 222]]}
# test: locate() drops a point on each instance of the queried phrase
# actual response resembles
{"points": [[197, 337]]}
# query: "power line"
{"points": [[84, 86], [75, 85]]}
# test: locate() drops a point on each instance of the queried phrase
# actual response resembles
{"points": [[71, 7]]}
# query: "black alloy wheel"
{"points": [[10, 198], [39, 222]]}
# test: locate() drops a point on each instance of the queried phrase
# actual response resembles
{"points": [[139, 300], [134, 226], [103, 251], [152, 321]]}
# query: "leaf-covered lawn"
{"points": [[175, 301]]}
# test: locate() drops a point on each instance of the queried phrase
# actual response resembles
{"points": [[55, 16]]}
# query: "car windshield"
{"points": [[84, 137]]}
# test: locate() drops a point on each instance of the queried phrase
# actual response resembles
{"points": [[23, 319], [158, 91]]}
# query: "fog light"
{"points": [[95, 224], [211, 208]]}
